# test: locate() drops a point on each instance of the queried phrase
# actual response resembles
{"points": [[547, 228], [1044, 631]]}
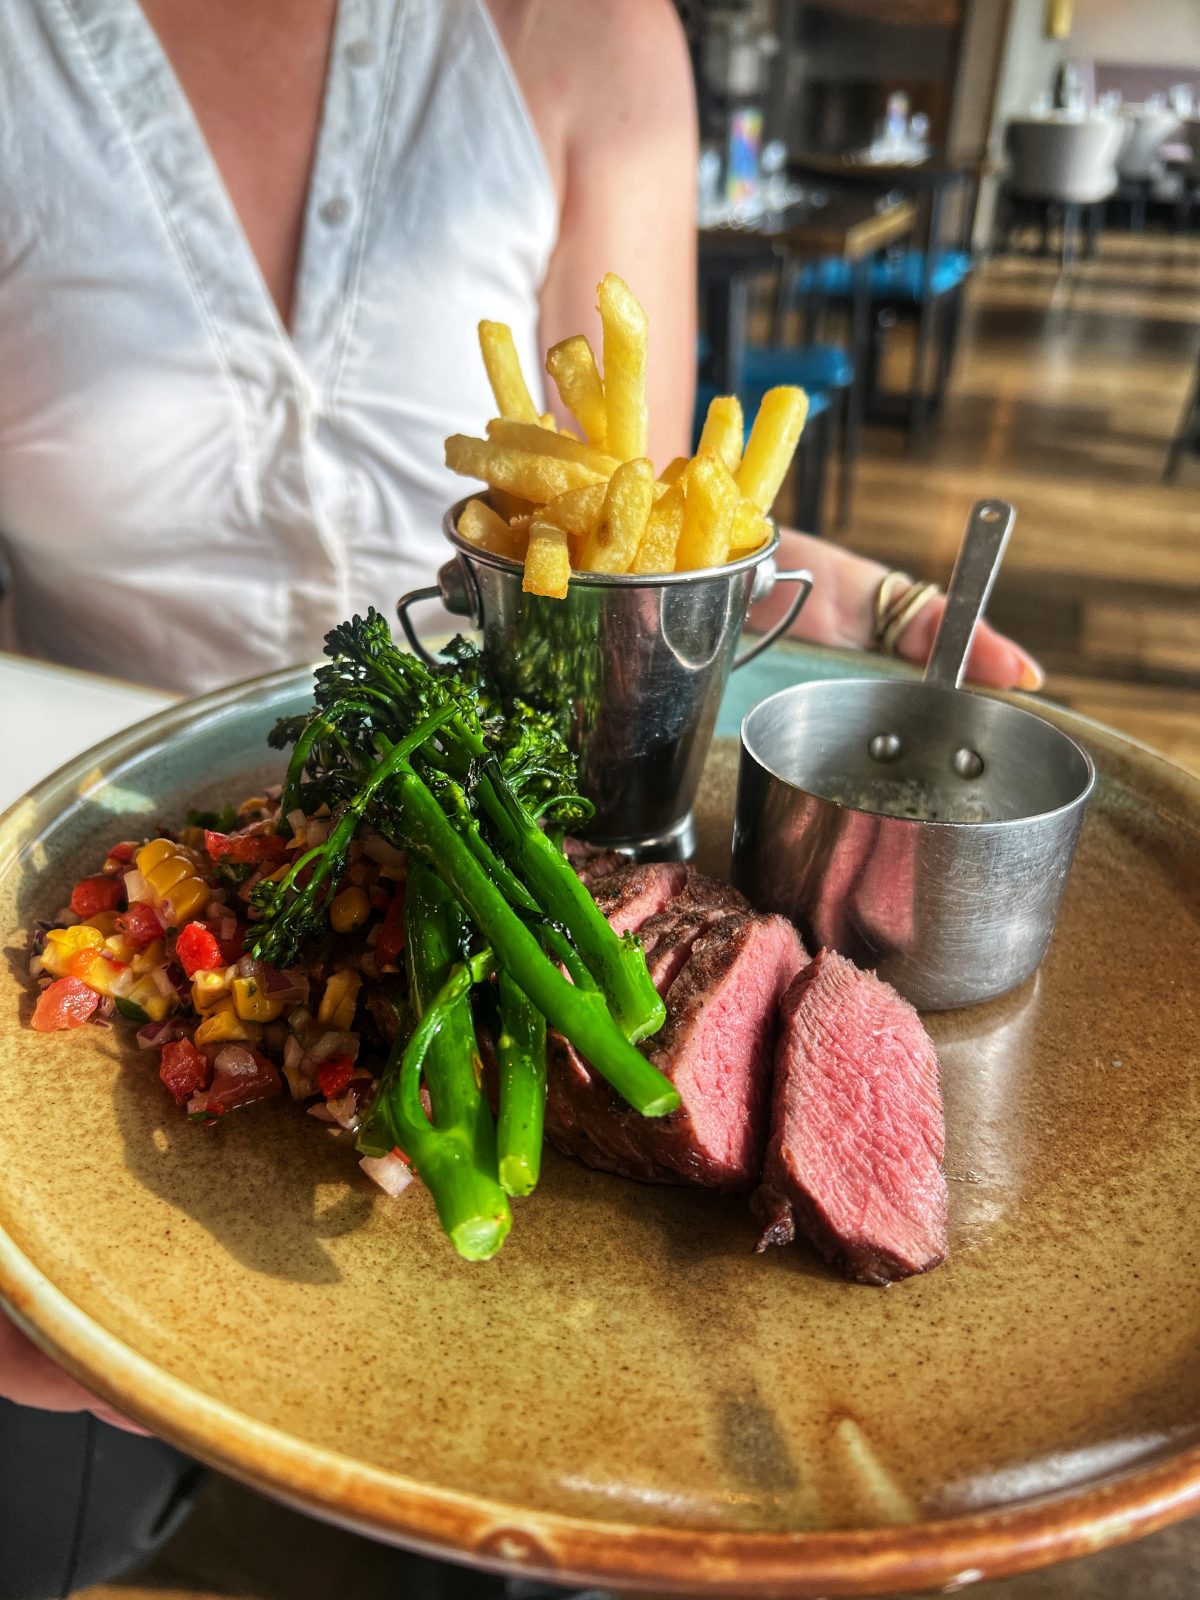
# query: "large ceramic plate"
{"points": [[627, 1394]]}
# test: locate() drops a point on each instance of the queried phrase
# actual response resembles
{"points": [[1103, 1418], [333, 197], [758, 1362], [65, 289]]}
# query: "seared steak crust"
{"points": [[715, 1047]]}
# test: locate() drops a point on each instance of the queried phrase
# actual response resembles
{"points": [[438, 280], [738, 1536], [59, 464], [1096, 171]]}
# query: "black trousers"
{"points": [[81, 1502]]}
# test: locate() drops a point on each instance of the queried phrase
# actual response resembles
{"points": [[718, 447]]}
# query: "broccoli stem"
{"points": [[521, 1056], [617, 964], [455, 1154], [580, 1015]]}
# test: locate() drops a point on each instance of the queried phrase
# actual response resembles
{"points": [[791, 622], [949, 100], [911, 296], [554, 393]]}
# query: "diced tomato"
{"points": [[122, 854], [334, 1076], [390, 940], [246, 846], [231, 949], [253, 1077], [183, 1069], [198, 950], [91, 895], [66, 1003], [140, 925]]}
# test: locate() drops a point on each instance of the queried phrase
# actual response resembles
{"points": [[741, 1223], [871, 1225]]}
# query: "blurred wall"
{"points": [[1164, 32]]}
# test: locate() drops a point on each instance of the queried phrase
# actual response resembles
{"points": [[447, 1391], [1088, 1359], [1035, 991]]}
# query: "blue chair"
{"points": [[813, 452], [909, 283]]}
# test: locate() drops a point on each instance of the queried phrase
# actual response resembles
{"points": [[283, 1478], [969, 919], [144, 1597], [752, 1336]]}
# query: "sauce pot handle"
{"points": [[455, 588], [804, 582]]}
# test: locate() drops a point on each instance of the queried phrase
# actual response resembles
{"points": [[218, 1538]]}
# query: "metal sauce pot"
{"points": [[637, 665], [920, 830]]}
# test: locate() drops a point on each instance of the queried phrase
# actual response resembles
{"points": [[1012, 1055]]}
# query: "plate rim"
{"points": [[442, 1521]]}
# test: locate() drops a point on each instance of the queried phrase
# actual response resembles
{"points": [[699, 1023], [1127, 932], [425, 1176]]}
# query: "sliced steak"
{"points": [[590, 861], [631, 894], [857, 1134], [667, 937], [716, 1048]]}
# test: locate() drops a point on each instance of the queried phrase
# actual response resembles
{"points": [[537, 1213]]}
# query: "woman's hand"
{"points": [[31, 1379], [841, 611]]}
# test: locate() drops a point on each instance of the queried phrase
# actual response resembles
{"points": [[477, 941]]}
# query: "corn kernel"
{"points": [[208, 987], [104, 922], [149, 856], [149, 996], [188, 897], [339, 1000], [152, 956], [170, 871], [252, 1002], [223, 1023], [63, 943], [100, 972], [349, 910]]}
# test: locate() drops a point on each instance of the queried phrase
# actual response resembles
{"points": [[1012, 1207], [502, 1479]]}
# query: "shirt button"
{"points": [[360, 53], [335, 210]]}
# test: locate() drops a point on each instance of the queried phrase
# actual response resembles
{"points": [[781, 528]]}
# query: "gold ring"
{"points": [[898, 600]]}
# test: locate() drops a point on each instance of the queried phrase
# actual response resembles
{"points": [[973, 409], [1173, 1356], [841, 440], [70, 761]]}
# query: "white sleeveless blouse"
{"points": [[188, 494]]}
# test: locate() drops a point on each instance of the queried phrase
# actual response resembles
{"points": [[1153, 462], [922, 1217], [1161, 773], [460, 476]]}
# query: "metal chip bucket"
{"points": [[636, 667]]}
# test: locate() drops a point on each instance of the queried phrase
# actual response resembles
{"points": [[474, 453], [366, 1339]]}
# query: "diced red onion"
{"points": [[35, 966], [391, 1173], [66, 918], [345, 1110], [106, 1007], [382, 851], [215, 910], [153, 1034], [137, 888], [297, 821], [334, 1044], [247, 967], [123, 983], [300, 1085], [322, 1113], [293, 1051], [315, 833], [235, 1058], [162, 981], [228, 928], [272, 791], [288, 986]]}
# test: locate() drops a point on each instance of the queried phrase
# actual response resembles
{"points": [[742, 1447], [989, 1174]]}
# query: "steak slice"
{"points": [[857, 1133], [716, 1048], [668, 936], [631, 894], [590, 861]]}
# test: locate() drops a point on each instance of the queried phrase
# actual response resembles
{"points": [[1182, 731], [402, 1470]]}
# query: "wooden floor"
{"points": [[1064, 398]]}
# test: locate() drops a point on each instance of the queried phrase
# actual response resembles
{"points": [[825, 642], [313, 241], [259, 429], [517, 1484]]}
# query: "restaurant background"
{"points": [[865, 203]]}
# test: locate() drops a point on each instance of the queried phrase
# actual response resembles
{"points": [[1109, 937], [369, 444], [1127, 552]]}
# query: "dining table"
{"points": [[850, 224]]}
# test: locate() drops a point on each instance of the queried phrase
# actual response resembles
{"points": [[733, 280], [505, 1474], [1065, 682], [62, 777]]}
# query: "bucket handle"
{"points": [[804, 582], [455, 588]]}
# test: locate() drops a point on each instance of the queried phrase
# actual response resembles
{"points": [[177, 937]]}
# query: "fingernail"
{"points": [[1032, 677]]}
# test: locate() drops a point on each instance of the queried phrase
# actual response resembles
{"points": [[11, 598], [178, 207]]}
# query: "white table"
{"points": [[49, 714]]}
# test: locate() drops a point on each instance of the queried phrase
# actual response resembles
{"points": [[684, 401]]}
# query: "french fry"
{"points": [[503, 365], [509, 505], [771, 445], [711, 497], [547, 560], [482, 527], [656, 553], [724, 431], [615, 540], [537, 478], [750, 529], [625, 338], [674, 470], [579, 510], [572, 365], [548, 420], [540, 441]]}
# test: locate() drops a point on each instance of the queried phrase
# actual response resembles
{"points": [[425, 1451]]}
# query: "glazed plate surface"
{"points": [[628, 1395]]}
